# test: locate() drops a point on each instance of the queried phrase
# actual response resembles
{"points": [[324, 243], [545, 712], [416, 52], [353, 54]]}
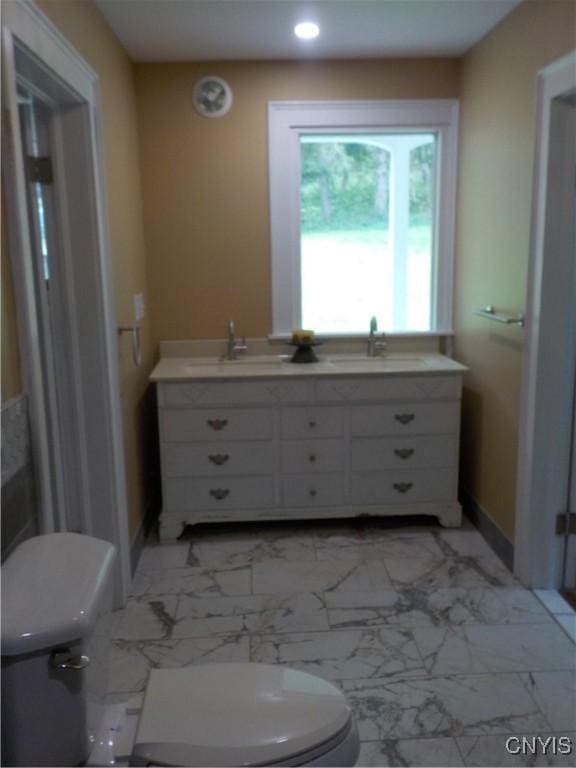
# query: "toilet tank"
{"points": [[56, 630]]}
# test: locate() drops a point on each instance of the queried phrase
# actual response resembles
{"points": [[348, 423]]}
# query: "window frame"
{"points": [[287, 121]]}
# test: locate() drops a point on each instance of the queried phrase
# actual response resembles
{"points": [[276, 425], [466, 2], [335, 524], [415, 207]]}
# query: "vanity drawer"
{"points": [[408, 418], [267, 391], [403, 487], [372, 454], [218, 424], [387, 387], [219, 493], [309, 456], [218, 459], [312, 490], [311, 422]]}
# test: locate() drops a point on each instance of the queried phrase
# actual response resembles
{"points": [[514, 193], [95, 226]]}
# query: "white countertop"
{"points": [[279, 366]]}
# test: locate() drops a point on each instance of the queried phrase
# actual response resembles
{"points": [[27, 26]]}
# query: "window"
{"points": [[362, 209]]}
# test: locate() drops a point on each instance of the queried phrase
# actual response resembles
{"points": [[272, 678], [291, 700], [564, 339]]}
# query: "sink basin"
{"points": [[210, 365], [350, 359], [387, 362], [254, 360], [195, 362]]}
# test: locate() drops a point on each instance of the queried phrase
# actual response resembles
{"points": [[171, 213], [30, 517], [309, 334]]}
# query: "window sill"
{"points": [[335, 337]]}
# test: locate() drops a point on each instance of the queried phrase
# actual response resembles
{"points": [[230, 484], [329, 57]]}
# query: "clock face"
{"points": [[212, 96]]}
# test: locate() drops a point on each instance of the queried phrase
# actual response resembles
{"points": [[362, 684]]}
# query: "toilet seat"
{"points": [[231, 714]]}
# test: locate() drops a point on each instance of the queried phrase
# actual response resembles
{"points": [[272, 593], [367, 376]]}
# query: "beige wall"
{"points": [[85, 28], [493, 227], [206, 207], [206, 185]]}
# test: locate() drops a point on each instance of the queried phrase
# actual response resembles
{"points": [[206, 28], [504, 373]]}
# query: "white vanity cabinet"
{"points": [[294, 447]]}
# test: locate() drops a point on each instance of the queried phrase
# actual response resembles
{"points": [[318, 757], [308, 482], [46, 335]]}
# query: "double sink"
{"points": [[281, 364]]}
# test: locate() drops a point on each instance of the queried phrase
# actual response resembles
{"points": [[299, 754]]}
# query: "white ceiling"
{"points": [[216, 30]]}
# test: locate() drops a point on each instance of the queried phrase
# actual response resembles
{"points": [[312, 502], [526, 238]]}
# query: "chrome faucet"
{"points": [[232, 346], [374, 346]]}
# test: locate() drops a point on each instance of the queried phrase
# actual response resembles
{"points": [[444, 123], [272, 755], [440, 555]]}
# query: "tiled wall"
{"points": [[19, 513]]}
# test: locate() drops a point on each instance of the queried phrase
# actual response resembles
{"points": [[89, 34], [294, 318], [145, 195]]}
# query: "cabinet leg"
{"points": [[170, 529], [451, 517]]}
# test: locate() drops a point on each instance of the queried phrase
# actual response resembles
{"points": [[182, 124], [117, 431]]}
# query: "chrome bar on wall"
{"points": [[499, 317], [136, 350]]}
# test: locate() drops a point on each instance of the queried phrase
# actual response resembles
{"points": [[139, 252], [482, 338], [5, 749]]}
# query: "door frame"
{"points": [[29, 39], [550, 350]]}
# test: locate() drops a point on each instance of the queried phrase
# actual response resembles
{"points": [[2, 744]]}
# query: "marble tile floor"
{"points": [[443, 654]]}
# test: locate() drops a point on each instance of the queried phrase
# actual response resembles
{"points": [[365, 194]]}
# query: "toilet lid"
{"points": [[229, 714]]}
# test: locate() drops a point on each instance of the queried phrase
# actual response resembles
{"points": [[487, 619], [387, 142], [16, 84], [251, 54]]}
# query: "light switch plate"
{"points": [[138, 306]]}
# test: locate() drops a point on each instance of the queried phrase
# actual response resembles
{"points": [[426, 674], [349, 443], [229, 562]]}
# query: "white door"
{"points": [[543, 555], [66, 468], [563, 124], [569, 557], [56, 211]]}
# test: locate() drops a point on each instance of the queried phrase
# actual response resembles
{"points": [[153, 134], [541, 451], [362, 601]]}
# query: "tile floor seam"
{"points": [[507, 733], [420, 737], [336, 629], [413, 627], [460, 752], [399, 591], [392, 582], [418, 651], [531, 695], [520, 624], [457, 676]]}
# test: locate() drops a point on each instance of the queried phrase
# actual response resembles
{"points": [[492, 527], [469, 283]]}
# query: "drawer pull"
{"points": [[219, 493], [217, 424], [312, 458], [219, 458], [312, 423], [404, 418], [312, 492], [404, 453], [402, 487]]}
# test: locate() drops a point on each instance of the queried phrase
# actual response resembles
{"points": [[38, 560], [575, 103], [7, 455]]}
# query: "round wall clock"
{"points": [[212, 96]]}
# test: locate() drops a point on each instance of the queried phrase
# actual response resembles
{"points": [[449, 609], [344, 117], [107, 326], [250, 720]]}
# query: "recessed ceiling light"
{"points": [[307, 30]]}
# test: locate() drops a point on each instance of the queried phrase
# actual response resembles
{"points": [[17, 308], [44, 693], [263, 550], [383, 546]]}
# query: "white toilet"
{"points": [[56, 620]]}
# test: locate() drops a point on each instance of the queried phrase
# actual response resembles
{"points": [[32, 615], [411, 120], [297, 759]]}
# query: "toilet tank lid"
{"points": [[51, 590]]}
